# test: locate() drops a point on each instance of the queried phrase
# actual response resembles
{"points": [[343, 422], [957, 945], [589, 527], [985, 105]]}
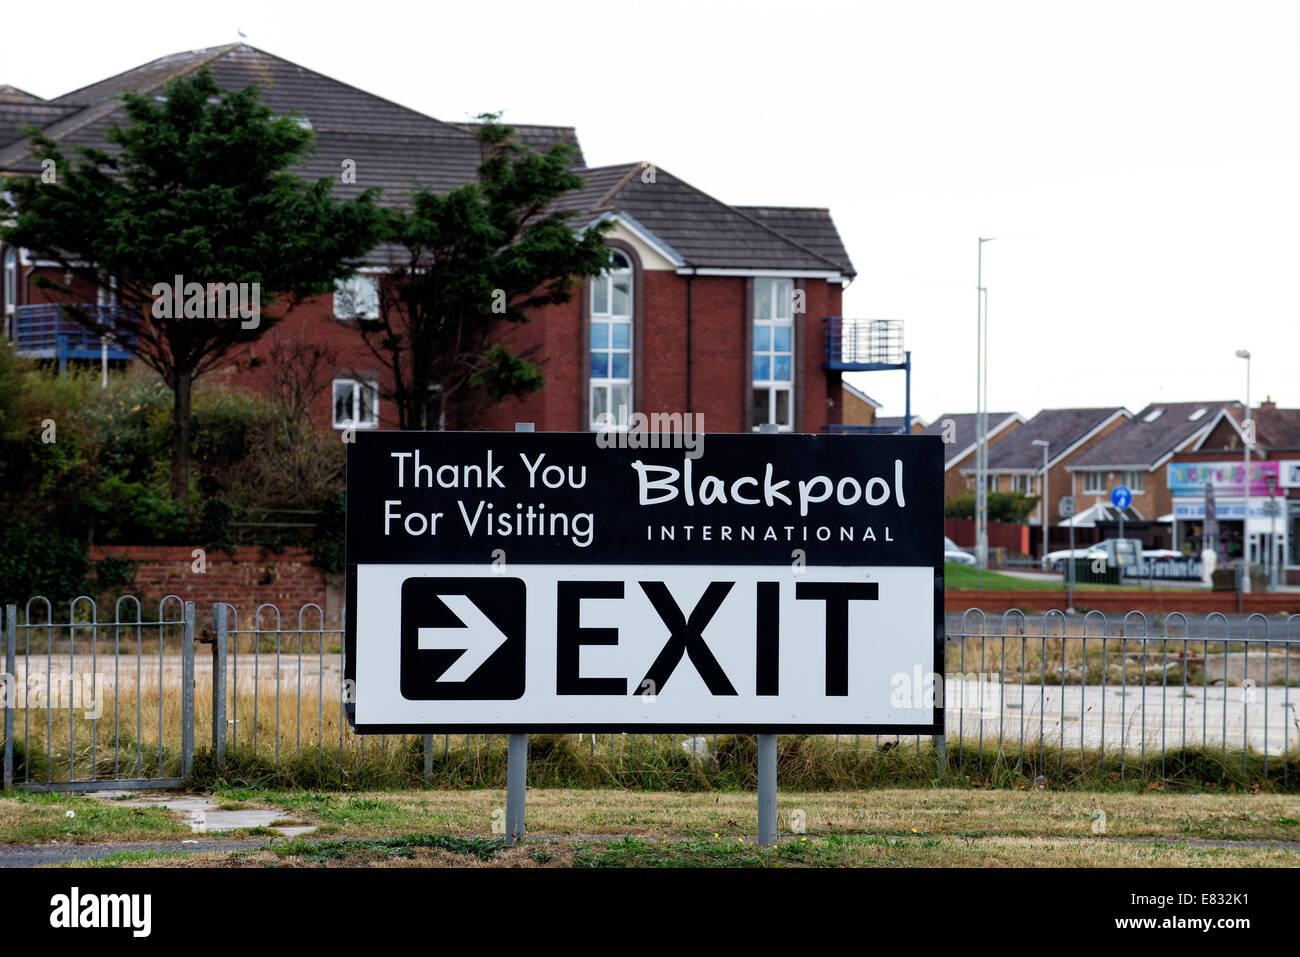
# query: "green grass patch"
{"points": [[833, 851], [958, 577], [404, 846], [40, 817], [127, 859]]}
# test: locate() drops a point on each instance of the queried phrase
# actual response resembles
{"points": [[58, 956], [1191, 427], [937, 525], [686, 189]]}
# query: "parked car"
{"points": [[1116, 551], [1163, 555], [951, 553]]}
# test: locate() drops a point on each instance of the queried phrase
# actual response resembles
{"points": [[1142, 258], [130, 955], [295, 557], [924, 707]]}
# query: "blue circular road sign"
{"points": [[1121, 497]]}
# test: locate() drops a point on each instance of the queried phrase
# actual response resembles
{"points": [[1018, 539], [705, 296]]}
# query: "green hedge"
{"points": [[83, 465]]}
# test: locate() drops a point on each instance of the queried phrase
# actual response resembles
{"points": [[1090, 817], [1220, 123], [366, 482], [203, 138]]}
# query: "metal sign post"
{"points": [[517, 760], [1066, 509], [767, 758], [1121, 497]]}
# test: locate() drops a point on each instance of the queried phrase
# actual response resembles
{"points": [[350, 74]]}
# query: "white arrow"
{"points": [[477, 636]]}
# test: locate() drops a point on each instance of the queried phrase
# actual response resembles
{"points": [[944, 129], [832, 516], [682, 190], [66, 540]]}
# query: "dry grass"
{"points": [[812, 852], [587, 828], [947, 812]]}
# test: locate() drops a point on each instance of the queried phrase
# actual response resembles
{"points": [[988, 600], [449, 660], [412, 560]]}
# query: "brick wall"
{"points": [[246, 579], [857, 412], [717, 347], [1151, 502]]}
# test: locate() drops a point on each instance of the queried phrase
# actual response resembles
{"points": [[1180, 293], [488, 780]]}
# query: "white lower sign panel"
{"points": [[659, 647]]}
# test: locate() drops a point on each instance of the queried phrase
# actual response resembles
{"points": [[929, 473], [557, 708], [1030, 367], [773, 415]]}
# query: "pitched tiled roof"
{"points": [[15, 114], [92, 108], [896, 422], [811, 227], [1152, 434], [391, 145], [705, 232], [11, 94], [541, 138], [1062, 428], [395, 148], [18, 108], [964, 431], [1278, 428]]}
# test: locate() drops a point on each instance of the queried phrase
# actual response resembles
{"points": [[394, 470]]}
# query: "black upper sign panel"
{"points": [[480, 497]]}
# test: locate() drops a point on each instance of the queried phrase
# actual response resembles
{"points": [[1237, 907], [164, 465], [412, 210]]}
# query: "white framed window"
{"points": [[1134, 481], [1094, 483], [1022, 483], [773, 356], [356, 404], [11, 281], [357, 297], [610, 358], [11, 288], [106, 294]]}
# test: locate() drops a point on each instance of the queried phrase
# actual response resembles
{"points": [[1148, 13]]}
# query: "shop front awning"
{"points": [[1100, 513]]}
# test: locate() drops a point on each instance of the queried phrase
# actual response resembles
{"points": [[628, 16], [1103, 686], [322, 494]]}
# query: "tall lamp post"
{"points": [[981, 414], [1248, 424], [1271, 508], [1043, 504]]}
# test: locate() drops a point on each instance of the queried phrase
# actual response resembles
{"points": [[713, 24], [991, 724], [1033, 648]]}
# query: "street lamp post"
{"points": [[981, 414], [1249, 426], [1043, 505], [1272, 510]]}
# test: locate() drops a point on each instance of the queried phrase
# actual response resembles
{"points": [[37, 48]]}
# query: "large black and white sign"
{"points": [[545, 582]]}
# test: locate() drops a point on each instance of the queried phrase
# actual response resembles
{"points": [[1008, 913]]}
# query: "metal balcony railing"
{"points": [[841, 429], [47, 331], [864, 344]]}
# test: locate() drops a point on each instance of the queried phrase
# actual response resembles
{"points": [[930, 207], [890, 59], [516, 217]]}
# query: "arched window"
{"points": [[610, 370]]}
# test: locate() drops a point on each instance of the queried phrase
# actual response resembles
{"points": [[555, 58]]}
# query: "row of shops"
{"points": [[1211, 508]]}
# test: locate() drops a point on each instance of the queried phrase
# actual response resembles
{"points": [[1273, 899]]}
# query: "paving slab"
{"points": [[203, 814]]}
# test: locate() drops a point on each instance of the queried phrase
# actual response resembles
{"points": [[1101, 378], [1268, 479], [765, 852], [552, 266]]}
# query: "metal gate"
{"points": [[105, 703]]}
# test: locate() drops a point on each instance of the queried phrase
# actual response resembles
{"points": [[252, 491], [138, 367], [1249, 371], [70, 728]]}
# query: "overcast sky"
{"points": [[1139, 162]]}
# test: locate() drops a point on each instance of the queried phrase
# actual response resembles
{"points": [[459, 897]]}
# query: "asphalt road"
{"points": [[34, 855]]}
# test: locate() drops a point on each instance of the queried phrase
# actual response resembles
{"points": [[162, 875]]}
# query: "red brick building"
{"points": [[714, 309]]}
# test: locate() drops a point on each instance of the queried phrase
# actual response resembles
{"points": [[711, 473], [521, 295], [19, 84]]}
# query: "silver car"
{"points": [[951, 553]]}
